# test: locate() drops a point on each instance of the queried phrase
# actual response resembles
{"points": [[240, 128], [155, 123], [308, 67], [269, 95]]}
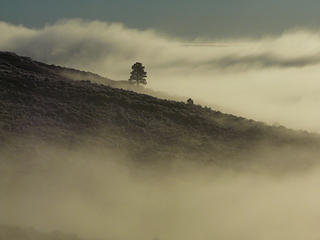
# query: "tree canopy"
{"points": [[138, 74]]}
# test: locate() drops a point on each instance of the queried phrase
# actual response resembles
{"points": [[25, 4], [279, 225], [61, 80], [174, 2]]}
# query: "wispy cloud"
{"points": [[96, 45]]}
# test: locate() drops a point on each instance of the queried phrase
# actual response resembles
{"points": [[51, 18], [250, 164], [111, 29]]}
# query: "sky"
{"points": [[256, 59], [186, 19]]}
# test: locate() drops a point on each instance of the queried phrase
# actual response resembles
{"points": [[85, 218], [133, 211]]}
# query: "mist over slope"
{"points": [[46, 102]]}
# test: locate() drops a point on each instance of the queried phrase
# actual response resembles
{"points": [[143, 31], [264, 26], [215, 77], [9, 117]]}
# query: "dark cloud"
{"points": [[265, 61]]}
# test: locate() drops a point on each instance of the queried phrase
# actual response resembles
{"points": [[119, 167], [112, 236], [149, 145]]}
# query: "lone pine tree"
{"points": [[138, 75]]}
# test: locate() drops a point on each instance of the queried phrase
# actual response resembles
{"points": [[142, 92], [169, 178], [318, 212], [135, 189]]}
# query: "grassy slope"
{"points": [[40, 100]]}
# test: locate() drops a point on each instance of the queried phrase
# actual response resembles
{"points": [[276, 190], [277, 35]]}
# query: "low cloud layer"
{"points": [[96, 194], [273, 79], [95, 45]]}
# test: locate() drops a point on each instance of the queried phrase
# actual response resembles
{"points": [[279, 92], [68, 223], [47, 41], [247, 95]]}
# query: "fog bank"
{"points": [[98, 194]]}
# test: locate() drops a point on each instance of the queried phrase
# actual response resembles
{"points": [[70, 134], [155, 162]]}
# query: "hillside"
{"points": [[59, 105], [9, 232]]}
